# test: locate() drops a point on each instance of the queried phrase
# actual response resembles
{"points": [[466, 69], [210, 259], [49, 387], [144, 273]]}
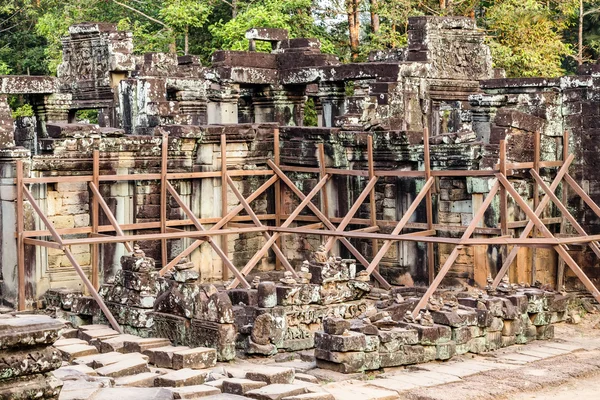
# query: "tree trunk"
{"points": [[580, 36], [186, 40], [233, 8], [354, 26], [442, 4], [374, 17]]}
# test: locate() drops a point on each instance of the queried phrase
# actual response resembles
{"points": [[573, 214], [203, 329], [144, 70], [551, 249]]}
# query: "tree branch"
{"points": [[592, 11], [142, 14], [228, 3]]}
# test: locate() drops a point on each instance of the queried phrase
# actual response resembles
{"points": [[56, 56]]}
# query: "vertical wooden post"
{"points": [[224, 238], [163, 196], [536, 199], [321, 159], [276, 160], [428, 205], [20, 244], [503, 199], [95, 220], [372, 205], [560, 272]]}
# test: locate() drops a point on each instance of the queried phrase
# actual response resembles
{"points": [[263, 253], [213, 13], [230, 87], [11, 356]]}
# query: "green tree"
{"points": [[183, 14], [526, 38]]}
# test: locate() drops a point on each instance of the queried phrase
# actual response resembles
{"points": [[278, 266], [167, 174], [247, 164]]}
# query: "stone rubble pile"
{"points": [[27, 357], [449, 325]]}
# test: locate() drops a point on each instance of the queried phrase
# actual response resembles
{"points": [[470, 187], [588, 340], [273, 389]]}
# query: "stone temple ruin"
{"points": [[201, 219]]}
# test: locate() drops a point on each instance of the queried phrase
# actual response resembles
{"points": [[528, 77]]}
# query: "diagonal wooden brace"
{"points": [[359, 200], [109, 215], [257, 222], [563, 209], [560, 249], [78, 269], [230, 215], [454, 255], [528, 228], [209, 239], [257, 256], [401, 224], [328, 223]]}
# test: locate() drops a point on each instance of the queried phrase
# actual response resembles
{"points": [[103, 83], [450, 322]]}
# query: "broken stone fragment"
{"points": [[196, 358], [335, 326], [267, 295], [186, 275], [353, 341]]}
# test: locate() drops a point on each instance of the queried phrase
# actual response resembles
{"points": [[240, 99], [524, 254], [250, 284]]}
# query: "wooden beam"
{"points": [[328, 224], [278, 253], [322, 173], [348, 217], [277, 190], [257, 256], [562, 172], [42, 216], [563, 209], [428, 205], [372, 204], [560, 271], [407, 215], [454, 254], [109, 214], [20, 242], [95, 248], [224, 239], [209, 239], [163, 196]]}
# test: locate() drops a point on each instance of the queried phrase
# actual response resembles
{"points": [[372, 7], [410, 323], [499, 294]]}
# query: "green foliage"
{"points": [[4, 68], [23, 111], [525, 38], [182, 14], [310, 113], [89, 116]]}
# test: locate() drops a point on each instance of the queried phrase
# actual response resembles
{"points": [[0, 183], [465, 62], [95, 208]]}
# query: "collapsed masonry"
{"points": [[443, 81]]}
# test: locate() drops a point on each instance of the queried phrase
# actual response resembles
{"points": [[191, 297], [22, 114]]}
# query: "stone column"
{"points": [[263, 106], [332, 95], [289, 102], [222, 106]]}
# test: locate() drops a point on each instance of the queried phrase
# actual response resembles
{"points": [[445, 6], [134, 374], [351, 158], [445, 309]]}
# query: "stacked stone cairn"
{"points": [[27, 357], [130, 296], [449, 325]]}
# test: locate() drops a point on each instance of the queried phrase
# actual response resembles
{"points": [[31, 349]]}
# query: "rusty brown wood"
{"points": [[95, 256], [258, 255], [322, 173], [224, 239], [428, 205], [20, 241], [503, 199], [560, 271], [209, 239], [328, 223], [581, 193], [563, 209], [454, 254], [560, 249], [44, 243], [536, 194], [42, 216], [407, 215], [278, 253], [277, 189], [348, 217], [372, 204], [562, 172], [163, 197], [109, 214]]}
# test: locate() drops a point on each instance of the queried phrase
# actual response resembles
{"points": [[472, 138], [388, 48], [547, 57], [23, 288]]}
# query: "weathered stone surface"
{"points": [[182, 377], [336, 326], [133, 393], [163, 356], [196, 358], [272, 375], [241, 386], [76, 350], [194, 392], [267, 295], [351, 341], [115, 343], [28, 361], [141, 344], [27, 387], [144, 379], [275, 392], [129, 366], [28, 330]]}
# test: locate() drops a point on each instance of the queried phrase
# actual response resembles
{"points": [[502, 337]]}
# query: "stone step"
{"points": [[102, 360], [240, 386], [164, 353], [305, 378], [276, 391], [74, 370], [131, 393], [139, 345], [115, 343], [357, 390], [182, 377], [196, 358], [93, 326], [145, 379], [69, 333], [194, 392], [67, 342], [311, 396], [272, 375], [76, 350], [91, 334], [130, 366]]}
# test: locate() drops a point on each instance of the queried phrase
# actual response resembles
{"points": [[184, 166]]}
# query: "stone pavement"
{"points": [[89, 374]]}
